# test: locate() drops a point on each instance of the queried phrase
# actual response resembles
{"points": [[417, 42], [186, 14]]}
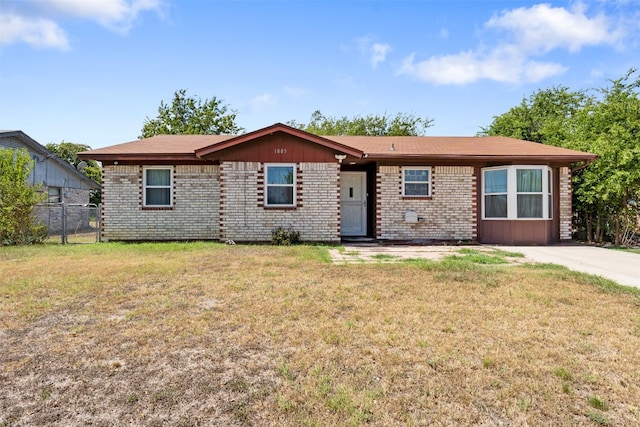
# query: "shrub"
{"points": [[17, 200], [284, 236]]}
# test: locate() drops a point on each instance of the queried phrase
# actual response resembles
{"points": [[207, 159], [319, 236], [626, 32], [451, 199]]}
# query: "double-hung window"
{"points": [[157, 186], [280, 186], [529, 193], [495, 193], [416, 181], [517, 192]]}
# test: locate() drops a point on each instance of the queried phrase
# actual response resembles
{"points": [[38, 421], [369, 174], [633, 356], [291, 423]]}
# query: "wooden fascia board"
{"points": [[480, 158], [141, 157]]}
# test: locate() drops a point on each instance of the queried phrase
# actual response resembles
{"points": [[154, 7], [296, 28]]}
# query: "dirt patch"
{"points": [[372, 253], [206, 334], [55, 376]]}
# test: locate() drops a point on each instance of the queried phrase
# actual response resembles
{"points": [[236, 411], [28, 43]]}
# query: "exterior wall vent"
{"points": [[410, 216]]}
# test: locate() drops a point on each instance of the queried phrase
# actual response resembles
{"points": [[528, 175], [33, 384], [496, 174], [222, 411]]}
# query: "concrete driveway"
{"points": [[619, 266]]}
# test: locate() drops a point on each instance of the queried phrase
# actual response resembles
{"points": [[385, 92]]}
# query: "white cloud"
{"points": [[542, 28], [530, 33], [117, 15], [259, 102], [501, 65], [379, 53], [38, 23], [375, 52], [535, 71], [38, 32]]}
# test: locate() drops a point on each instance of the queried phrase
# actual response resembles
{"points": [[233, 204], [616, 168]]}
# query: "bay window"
{"points": [[495, 193], [517, 192]]}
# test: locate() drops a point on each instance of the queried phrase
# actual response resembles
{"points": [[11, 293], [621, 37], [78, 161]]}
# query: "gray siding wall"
{"points": [[48, 172]]}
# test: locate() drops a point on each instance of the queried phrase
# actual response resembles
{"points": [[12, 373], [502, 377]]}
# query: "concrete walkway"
{"points": [[373, 252], [619, 266]]}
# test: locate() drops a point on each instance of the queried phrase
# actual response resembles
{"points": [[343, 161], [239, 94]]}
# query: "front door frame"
{"points": [[363, 203]]}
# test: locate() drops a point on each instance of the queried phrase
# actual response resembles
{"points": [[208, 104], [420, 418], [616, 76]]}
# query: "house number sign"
{"points": [[280, 150]]}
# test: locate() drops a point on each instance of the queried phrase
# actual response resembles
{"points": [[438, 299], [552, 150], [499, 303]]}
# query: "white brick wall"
{"points": [[227, 202], [450, 214], [244, 218], [195, 214], [565, 203]]}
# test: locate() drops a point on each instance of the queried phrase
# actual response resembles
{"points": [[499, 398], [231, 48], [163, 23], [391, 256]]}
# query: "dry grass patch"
{"points": [[197, 334]]}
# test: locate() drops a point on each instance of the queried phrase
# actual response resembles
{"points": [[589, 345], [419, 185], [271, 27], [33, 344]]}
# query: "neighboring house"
{"points": [[397, 189], [59, 180]]}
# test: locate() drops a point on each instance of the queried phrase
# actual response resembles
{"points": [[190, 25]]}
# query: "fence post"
{"points": [[99, 222], [64, 223]]}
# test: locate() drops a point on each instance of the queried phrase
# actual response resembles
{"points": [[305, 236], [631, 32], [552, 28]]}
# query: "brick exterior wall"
{"points": [[212, 202], [449, 214], [194, 215], [565, 203], [220, 202], [243, 216]]}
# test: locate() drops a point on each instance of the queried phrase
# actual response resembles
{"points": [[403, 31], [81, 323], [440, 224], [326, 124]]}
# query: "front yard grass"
{"points": [[634, 250], [208, 334]]}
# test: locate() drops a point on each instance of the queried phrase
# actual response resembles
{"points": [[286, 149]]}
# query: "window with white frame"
{"points": [[517, 192], [416, 181], [280, 186], [157, 186]]}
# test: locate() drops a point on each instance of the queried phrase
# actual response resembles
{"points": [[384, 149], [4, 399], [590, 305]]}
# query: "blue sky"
{"points": [[91, 71]]}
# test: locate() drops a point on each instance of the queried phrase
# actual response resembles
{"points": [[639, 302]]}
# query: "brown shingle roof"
{"points": [[184, 147], [162, 144], [455, 147]]}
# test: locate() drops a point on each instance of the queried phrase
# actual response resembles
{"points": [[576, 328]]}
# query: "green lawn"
{"points": [[622, 248]]}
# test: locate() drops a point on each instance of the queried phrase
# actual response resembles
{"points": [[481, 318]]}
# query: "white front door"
{"points": [[353, 203]]}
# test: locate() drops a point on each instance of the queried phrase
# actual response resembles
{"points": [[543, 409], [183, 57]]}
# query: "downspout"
{"points": [[582, 166]]}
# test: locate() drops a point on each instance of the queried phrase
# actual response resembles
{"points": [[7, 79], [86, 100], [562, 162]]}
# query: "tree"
{"points": [[68, 151], [188, 115], [17, 200], [402, 124], [607, 192], [545, 117]]}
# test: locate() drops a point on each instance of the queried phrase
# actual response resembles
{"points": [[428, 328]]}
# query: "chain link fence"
{"points": [[70, 223]]}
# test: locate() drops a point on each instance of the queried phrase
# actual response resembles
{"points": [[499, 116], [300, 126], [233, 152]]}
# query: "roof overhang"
{"points": [[278, 127], [139, 157], [482, 158]]}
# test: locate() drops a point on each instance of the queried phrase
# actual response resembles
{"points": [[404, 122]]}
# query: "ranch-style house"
{"points": [[328, 188]]}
